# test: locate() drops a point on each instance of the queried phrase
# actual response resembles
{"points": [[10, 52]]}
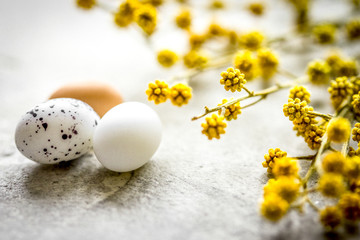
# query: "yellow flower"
{"points": [[183, 19], [356, 132], [349, 204], [333, 163], [313, 136], [252, 40], [268, 63], [352, 167], [355, 185], [285, 187], [297, 111], [194, 60], [256, 8], [356, 103], [334, 60], [347, 68], [145, 17], [246, 63], [196, 41], [318, 72], [339, 89], [215, 30], [324, 33], [339, 130], [285, 167], [158, 91], [214, 126], [233, 80], [217, 4], [232, 111], [125, 14], [180, 94], [353, 29], [86, 4], [272, 157], [331, 185], [301, 93], [167, 58], [331, 217], [274, 207]]}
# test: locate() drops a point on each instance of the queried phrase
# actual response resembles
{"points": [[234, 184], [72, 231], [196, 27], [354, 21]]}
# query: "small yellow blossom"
{"points": [[274, 207], [349, 204], [196, 40], [214, 126], [233, 80], [167, 58], [158, 91], [347, 68], [146, 18], [297, 111], [339, 130], [217, 4], [324, 33], [356, 132], [180, 94], [285, 187], [125, 14], [353, 29], [339, 90], [246, 63], [352, 167], [215, 30], [86, 4], [285, 167], [333, 162], [252, 40], [301, 93], [272, 157], [256, 8], [183, 19], [331, 185], [194, 59], [331, 217], [313, 136], [318, 72], [268, 63], [355, 185], [356, 103], [352, 152], [232, 111]]}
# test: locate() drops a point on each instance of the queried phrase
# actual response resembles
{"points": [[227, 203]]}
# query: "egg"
{"points": [[101, 97], [127, 136], [57, 130]]}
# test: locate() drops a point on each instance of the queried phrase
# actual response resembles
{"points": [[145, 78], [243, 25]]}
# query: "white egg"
{"points": [[57, 130], [127, 136]]}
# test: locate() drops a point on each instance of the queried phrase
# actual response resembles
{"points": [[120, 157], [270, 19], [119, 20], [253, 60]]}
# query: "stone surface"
{"points": [[192, 188]]}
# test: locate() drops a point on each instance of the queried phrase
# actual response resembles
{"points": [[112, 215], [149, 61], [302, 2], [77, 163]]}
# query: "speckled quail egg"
{"points": [[57, 130]]}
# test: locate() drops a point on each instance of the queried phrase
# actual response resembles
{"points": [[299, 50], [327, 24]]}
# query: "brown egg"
{"points": [[101, 97]]}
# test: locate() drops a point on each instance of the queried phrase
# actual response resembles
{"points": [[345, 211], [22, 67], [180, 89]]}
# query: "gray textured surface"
{"points": [[191, 189]]}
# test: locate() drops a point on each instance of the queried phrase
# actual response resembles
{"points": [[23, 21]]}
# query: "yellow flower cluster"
{"points": [[356, 132], [232, 111], [233, 80], [279, 193], [196, 40], [324, 33], [318, 72], [333, 163], [356, 103], [160, 92], [341, 67], [331, 217], [297, 111], [301, 93], [339, 90], [146, 18], [353, 29], [313, 136], [338, 130], [217, 4], [86, 4], [256, 8], [194, 59], [331, 185], [167, 58], [215, 30], [125, 14], [246, 63], [272, 157], [214, 126], [268, 63], [183, 19], [252, 40]]}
